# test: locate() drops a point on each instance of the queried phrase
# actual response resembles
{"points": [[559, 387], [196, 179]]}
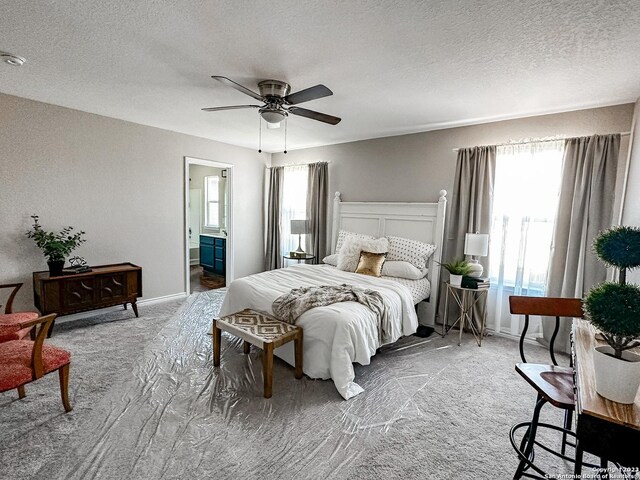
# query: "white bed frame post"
{"points": [[336, 221], [436, 260]]}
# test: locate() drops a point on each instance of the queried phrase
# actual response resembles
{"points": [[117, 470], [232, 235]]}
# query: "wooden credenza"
{"points": [[104, 286]]}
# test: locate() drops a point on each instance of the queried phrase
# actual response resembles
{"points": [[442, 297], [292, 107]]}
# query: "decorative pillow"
{"points": [[403, 270], [331, 260], [349, 255], [412, 251], [344, 234], [371, 263]]}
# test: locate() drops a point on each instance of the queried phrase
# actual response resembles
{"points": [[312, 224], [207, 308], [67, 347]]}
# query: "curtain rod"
{"points": [[298, 164], [523, 142]]}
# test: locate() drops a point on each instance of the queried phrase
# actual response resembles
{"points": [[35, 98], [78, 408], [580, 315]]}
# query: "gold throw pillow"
{"points": [[371, 263]]}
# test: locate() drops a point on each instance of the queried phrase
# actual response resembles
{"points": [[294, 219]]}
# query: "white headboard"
{"points": [[418, 221]]}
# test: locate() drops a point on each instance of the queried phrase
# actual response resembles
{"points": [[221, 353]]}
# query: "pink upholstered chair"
{"points": [[10, 322], [23, 361]]}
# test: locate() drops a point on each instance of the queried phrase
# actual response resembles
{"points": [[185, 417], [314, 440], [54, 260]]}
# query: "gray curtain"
{"points": [[273, 259], [585, 208], [317, 195], [471, 202]]}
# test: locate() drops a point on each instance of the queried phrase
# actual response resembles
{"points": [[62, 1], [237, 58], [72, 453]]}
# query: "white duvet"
{"points": [[337, 335]]}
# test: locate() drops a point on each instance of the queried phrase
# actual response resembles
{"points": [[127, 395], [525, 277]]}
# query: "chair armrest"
{"points": [[16, 287], [36, 321], [36, 353]]}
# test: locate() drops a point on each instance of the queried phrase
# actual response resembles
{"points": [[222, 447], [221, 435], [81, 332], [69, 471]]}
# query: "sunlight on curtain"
{"points": [[527, 186], [294, 204]]}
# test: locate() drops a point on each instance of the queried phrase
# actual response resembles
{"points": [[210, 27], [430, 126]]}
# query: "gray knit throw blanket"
{"points": [[290, 306]]}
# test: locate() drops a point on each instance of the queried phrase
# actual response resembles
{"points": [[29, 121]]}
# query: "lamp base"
{"points": [[476, 269]]}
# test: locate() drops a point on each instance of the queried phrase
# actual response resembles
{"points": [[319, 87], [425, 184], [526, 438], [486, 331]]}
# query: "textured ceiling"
{"points": [[394, 66]]}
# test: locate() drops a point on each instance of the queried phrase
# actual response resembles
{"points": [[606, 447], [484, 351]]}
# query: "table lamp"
{"points": [[298, 227], [476, 245]]}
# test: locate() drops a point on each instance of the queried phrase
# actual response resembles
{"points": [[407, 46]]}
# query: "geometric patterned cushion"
{"points": [[412, 251], [261, 328], [10, 325], [15, 362]]}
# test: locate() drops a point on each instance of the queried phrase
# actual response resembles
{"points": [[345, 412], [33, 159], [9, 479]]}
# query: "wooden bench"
{"points": [[262, 331]]}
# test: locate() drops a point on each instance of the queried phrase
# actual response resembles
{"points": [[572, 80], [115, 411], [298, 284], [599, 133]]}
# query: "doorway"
{"points": [[208, 224]]}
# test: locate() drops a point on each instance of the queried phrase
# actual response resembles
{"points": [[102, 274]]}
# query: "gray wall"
{"points": [[413, 168], [120, 182], [631, 210]]}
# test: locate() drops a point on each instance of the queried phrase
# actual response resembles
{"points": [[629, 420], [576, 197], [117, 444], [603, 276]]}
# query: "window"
{"points": [[527, 186], [294, 205], [212, 201]]}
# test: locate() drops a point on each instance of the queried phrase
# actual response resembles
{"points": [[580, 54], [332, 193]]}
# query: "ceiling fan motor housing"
{"points": [[274, 89]]}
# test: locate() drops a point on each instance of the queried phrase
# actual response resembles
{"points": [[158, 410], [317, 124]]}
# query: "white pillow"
{"points": [[331, 260], [403, 270], [349, 255], [412, 251], [344, 234]]}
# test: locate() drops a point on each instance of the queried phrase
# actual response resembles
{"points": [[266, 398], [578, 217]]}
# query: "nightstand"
{"points": [[467, 299], [305, 259]]}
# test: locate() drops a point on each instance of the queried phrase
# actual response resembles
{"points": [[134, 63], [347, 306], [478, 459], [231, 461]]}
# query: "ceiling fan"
{"points": [[278, 102]]}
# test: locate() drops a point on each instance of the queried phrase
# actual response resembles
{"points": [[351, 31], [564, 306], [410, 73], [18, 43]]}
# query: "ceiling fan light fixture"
{"points": [[272, 116]]}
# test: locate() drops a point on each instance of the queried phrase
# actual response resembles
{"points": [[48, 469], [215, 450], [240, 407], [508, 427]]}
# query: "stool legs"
{"points": [[568, 418], [298, 353], [267, 368], [530, 436], [216, 344]]}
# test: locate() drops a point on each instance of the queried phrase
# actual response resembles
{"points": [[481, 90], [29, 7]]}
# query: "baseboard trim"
{"points": [[146, 301], [164, 298]]}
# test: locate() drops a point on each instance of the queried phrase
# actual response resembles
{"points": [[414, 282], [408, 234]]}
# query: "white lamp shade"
{"points": [[476, 244], [298, 227]]}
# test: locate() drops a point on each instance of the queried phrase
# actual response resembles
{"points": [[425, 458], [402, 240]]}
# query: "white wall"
{"points": [[120, 182], [631, 209]]}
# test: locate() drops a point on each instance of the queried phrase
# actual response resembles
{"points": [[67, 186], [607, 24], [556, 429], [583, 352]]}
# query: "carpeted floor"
{"points": [[147, 405]]}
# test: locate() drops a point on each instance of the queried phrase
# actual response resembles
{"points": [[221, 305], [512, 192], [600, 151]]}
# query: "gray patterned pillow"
{"points": [[344, 234], [412, 251]]}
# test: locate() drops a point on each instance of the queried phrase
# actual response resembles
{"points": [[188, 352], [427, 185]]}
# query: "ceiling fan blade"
{"points": [[308, 94], [230, 83], [321, 117], [231, 107]]}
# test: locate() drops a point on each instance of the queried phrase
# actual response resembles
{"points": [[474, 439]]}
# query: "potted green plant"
{"points": [[457, 268], [614, 308], [55, 246]]}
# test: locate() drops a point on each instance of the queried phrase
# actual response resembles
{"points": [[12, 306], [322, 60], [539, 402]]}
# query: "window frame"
{"points": [[208, 202]]}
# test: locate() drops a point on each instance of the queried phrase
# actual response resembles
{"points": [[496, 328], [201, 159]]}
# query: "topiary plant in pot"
{"points": [[457, 269], [55, 246], [614, 308]]}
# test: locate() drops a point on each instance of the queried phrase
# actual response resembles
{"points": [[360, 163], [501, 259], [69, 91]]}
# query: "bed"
{"points": [[336, 336]]}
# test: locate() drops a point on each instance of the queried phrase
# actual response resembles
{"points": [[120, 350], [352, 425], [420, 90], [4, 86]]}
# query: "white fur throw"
{"points": [[349, 254]]}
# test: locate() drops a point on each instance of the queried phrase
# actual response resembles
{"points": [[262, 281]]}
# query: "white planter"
{"points": [[455, 280], [617, 380]]}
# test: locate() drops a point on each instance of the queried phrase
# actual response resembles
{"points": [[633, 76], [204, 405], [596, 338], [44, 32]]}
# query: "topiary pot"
{"points": [[455, 280], [616, 379]]}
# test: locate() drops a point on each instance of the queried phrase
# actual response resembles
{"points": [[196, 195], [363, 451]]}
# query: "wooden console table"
{"points": [[607, 429], [104, 286]]}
